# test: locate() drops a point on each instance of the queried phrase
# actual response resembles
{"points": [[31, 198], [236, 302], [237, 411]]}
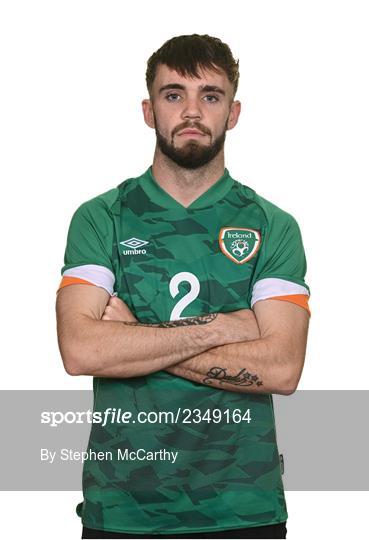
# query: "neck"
{"points": [[186, 185]]}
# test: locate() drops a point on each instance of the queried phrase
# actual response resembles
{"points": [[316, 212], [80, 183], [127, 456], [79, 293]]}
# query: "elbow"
{"points": [[72, 368], [73, 359], [290, 379], [72, 365], [77, 350], [288, 390]]}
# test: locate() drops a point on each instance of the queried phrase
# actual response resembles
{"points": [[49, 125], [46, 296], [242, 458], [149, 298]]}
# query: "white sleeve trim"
{"points": [[94, 273], [269, 287]]}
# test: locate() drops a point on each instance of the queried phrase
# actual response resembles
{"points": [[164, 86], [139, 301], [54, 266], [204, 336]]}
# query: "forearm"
{"points": [[252, 366], [129, 349]]}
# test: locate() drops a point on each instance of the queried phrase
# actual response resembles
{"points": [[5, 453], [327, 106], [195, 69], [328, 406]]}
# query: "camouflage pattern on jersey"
{"points": [[226, 475], [168, 263]]}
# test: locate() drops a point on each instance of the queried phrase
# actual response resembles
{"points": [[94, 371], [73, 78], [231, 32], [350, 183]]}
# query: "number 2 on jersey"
{"points": [[192, 294]]}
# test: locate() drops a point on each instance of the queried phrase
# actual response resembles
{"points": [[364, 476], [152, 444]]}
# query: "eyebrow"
{"points": [[203, 88]]}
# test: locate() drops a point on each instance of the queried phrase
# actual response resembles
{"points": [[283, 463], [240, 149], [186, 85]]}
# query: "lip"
{"points": [[190, 132]]}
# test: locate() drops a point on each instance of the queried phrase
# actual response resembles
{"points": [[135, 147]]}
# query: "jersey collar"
{"points": [[159, 196]]}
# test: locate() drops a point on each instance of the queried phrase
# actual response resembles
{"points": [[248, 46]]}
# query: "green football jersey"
{"points": [[213, 462]]}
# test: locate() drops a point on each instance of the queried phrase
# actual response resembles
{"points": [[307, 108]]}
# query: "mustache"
{"points": [[197, 126]]}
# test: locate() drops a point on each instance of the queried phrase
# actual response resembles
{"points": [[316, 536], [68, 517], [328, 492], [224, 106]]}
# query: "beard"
{"points": [[192, 155]]}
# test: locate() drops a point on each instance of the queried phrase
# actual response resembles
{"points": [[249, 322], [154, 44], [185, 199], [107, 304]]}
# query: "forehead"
{"points": [[165, 75]]}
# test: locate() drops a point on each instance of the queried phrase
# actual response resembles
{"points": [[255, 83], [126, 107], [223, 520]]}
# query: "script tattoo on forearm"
{"points": [[243, 378], [189, 321]]}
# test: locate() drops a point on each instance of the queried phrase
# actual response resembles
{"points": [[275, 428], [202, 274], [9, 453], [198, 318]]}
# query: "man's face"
{"points": [[202, 105]]}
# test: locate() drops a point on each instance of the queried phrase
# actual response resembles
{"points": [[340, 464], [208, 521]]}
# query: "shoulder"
{"points": [[273, 214], [99, 203], [102, 206]]}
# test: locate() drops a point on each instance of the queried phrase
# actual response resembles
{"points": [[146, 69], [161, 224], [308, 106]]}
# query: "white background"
{"points": [[71, 127]]}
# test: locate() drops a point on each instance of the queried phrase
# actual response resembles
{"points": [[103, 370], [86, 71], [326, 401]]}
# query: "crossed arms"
{"points": [[260, 350]]}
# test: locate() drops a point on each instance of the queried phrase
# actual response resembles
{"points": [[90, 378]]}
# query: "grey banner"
{"points": [[322, 435]]}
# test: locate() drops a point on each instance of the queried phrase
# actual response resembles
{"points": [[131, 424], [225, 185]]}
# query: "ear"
{"points": [[234, 114], [148, 112]]}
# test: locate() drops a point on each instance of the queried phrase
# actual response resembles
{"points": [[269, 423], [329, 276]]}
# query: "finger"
{"points": [[114, 300]]}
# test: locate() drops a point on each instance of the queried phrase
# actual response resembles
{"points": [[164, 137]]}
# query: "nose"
{"points": [[191, 108]]}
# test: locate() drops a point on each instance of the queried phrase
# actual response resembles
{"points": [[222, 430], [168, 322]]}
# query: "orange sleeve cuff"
{"points": [[72, 280], [299, 299]]}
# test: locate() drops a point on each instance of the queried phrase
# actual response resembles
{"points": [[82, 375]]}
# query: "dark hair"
{"points": [[187, 53]]}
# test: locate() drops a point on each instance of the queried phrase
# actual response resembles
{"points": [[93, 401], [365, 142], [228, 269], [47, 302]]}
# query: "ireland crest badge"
{"points": [[239, 244]]}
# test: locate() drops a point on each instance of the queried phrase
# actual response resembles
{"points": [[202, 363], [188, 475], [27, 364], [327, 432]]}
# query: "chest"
{"points": [[186, 263]]}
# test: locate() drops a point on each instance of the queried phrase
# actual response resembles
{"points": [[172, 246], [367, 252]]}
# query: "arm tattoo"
{"points": [[243, 378], [188, 321]]}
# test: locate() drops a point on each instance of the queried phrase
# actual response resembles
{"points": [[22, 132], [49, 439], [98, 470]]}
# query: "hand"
{"points": [[237, 326], [117, 310]]}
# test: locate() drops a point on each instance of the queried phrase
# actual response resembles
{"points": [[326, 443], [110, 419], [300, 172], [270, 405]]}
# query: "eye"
{"points": [[168, 96], [211, 96]]}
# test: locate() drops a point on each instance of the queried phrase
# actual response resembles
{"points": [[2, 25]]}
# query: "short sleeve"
{"points": [[88, 253], [281, 268]]}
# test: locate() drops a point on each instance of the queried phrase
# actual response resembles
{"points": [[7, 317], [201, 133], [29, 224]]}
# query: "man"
{"points": [[188, 298]]}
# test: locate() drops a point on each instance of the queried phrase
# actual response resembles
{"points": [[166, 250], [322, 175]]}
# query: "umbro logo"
{"points": [[134, 243]]}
